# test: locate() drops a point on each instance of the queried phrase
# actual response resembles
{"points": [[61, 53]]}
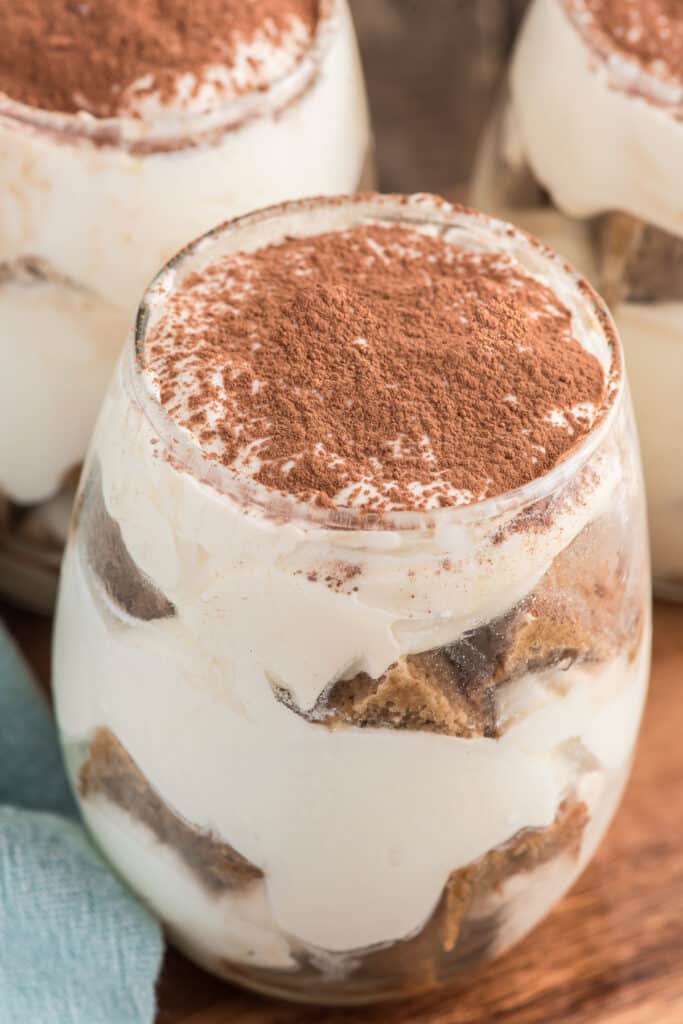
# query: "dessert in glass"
{"points": [[125, 131], [586, 151], [353, 627]]}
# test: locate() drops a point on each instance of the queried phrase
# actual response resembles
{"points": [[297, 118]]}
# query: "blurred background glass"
{"points": [[432, 68]]}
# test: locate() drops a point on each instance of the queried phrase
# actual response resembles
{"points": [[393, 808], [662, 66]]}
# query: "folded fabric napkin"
{"points": [[75, 946]]}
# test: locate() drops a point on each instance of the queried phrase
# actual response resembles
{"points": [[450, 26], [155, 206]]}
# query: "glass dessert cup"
{"points": [[348, 756], [600, 183], [90, 208]]}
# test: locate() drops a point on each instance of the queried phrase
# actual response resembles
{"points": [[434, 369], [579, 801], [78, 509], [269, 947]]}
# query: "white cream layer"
{"points": [[108, 219]]}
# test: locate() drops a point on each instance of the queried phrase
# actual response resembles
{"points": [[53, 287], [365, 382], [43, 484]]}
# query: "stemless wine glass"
{"points": [[584, 150], [90, 208], [352, 792]]}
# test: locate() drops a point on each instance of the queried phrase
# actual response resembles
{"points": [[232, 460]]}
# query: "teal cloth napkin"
{"points": [[75, 946]]}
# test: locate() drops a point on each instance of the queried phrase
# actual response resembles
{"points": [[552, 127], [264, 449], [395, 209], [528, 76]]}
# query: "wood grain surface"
{"points": [[612, 951]]}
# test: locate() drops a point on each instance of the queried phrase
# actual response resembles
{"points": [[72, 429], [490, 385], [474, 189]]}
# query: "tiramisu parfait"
{"points": [[353, 635], [586, 151], [127, 129]]}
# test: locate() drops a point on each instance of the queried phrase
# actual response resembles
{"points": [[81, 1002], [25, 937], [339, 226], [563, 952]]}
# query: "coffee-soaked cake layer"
{"points": [[110, 772], [112, 574], [583, 610], [428, 691], [637, 261], [106, 57], [382, 366]]}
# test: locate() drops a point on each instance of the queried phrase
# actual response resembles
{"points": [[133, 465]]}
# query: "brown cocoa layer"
{"points": [[378, 366], [648, 32], [85, 55]]}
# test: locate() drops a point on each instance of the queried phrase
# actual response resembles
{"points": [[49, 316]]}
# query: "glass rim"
{"points": [[625, 73], [179, 130], [185, 452]]}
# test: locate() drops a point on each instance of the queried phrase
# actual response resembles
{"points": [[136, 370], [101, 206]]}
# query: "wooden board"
{"points": [[611, 953]]}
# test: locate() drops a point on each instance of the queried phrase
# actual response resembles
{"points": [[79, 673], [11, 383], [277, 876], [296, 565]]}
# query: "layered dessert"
{"points": [[125, 131], [586, 151], [353, 629]]}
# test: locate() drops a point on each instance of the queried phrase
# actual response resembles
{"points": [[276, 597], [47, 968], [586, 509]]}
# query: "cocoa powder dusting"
{"points": [[377, 366], [98, 55], [650, 31]]}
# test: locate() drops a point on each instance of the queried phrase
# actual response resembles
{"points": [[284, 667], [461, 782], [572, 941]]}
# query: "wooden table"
{"points": [[611, 953]]}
